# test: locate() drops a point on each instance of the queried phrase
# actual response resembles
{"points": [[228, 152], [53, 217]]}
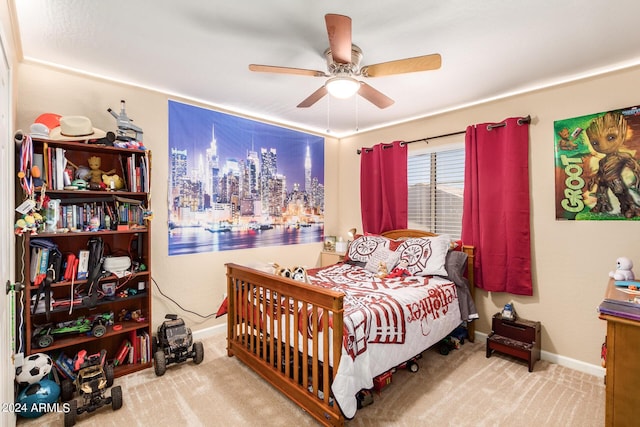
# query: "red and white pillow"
{"points": [[363, 247], [426, 255]]}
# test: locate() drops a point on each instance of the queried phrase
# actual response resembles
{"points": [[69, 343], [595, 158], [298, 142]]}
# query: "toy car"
{"points": [[172, 343], [43, 335], [92, 381]]}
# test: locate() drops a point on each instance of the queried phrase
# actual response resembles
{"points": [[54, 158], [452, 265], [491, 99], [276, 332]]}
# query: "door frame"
{"points": [[7, 240]]}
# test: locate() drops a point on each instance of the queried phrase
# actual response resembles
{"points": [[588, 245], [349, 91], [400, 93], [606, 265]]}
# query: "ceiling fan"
{"points": [[343, 64]]}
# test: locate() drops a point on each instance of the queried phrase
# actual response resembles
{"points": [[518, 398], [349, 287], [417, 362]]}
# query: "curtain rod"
{"points": [[427, 139], [521, 121]]}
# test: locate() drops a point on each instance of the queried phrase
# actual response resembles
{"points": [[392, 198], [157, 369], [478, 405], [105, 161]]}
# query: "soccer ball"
{"points": [[35, 367]]}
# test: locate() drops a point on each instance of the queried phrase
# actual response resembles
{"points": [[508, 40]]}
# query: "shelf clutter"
{"points": [[83, 231]]}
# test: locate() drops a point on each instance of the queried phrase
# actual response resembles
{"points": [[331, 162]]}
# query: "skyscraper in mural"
{"points": [[307, 171], [213, 169]]}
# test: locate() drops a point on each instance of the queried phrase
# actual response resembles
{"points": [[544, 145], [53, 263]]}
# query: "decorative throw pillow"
{"points": [[426, 255], [362, 247], [382, 254]]}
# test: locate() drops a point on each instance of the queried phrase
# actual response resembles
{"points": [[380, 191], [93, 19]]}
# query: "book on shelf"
{"points": [[133, 337], [624, 309], [61, 164], [123, 353], [39, 262]]}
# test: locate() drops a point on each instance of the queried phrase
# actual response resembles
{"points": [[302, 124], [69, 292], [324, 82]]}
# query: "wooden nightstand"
{"points": [[330, 257], [518, 338]]}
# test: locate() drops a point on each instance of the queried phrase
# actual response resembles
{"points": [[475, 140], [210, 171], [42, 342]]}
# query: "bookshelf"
{"points": [[89, 308]]}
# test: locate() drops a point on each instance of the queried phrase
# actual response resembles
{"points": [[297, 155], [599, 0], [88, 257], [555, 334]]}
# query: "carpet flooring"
{"points": [[463, 388]]}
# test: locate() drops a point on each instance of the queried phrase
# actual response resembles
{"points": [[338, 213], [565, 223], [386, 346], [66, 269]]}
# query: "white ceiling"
{"points": [[200, 49]]}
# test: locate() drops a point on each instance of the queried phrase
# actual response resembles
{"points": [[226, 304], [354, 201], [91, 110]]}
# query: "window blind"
{"points": [[436, 186]]}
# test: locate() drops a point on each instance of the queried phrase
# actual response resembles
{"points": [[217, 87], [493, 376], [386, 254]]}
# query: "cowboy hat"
{"points": [[75, 128]]}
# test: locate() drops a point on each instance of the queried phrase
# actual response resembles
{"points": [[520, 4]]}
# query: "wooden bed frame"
{"points": [[301, 374]]}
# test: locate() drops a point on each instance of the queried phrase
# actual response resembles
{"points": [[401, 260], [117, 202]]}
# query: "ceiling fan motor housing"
{"points": [[352, 68]]}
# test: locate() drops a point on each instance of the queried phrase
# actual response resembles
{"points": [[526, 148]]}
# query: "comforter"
{"points": [[386, 322]]}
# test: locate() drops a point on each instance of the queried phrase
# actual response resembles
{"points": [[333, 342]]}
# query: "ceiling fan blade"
{"points": [[374, 96], [339, 32], [286, 70], [401, 66], [313, 98]]}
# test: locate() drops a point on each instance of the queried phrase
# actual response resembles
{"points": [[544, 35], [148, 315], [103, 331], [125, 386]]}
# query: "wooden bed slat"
{"points": [[253, 294]]}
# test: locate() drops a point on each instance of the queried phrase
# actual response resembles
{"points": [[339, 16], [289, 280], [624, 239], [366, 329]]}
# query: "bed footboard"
{"points": [[268, 316]]}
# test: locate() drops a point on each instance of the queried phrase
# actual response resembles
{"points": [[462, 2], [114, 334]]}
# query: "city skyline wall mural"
{"points": [[236, 183]]}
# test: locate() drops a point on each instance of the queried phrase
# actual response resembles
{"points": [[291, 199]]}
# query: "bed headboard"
{"points": [[406, 233]]}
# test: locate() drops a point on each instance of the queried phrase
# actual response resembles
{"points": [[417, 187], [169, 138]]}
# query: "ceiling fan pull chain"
{"points": [[357, 116], [328, 113]]}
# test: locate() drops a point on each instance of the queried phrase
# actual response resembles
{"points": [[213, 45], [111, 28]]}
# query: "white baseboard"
{"points": [[568, 362], [210, 331]]}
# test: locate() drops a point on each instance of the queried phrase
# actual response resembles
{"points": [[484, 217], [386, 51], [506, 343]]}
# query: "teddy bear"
{"points": [[623, 270], [113, 182], [382, 270]]}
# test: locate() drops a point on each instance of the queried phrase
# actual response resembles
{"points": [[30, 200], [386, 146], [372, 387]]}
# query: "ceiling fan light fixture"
{"points": [[342, 87]]}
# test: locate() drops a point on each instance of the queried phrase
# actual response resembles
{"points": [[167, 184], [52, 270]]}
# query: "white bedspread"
{"points": [[386, 323]]}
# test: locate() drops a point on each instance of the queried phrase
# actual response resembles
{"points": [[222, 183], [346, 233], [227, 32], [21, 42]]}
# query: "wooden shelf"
{"points": [[73, 340], [80, 206]]}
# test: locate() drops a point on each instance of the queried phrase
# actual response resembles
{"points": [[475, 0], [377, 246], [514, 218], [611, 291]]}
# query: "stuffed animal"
{"points": [[113, 182], [623, 270], [400, 270], [382, 270], [295, 273], [299, 274]]}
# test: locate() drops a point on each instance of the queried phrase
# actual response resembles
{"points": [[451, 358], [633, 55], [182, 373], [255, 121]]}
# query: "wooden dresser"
{"points": [[622, 364]]}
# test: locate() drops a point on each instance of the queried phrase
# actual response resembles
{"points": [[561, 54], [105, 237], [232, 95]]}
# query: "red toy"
{"points": [[400, 270]]}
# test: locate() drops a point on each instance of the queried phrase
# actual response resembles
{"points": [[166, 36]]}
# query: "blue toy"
{"points": [[35, 398]]}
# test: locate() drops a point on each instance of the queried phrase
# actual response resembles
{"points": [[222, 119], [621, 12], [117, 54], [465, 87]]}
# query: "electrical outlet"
{"points": [[18, 359]]}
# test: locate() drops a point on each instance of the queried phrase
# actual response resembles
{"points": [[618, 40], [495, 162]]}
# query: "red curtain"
{"points": [[383, 187], [496, 205]]}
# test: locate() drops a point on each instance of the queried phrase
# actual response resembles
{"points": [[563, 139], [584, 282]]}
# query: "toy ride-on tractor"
{"points": [[92, 380], [172, 345]]}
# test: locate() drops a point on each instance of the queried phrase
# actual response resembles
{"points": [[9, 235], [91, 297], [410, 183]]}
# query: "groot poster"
{"points": [[597, 166]]}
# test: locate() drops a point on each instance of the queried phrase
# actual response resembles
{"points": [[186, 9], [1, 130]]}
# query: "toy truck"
{"points": [[92, 381], [174, 344]]}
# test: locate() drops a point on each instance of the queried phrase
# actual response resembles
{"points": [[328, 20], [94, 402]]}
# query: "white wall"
{"points": [[570, 259]]}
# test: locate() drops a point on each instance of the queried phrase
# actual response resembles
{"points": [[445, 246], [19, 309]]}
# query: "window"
{"points": [[436, 186]]}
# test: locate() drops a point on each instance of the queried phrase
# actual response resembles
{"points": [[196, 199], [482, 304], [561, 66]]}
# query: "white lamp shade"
{"points": [[342, 87]]}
